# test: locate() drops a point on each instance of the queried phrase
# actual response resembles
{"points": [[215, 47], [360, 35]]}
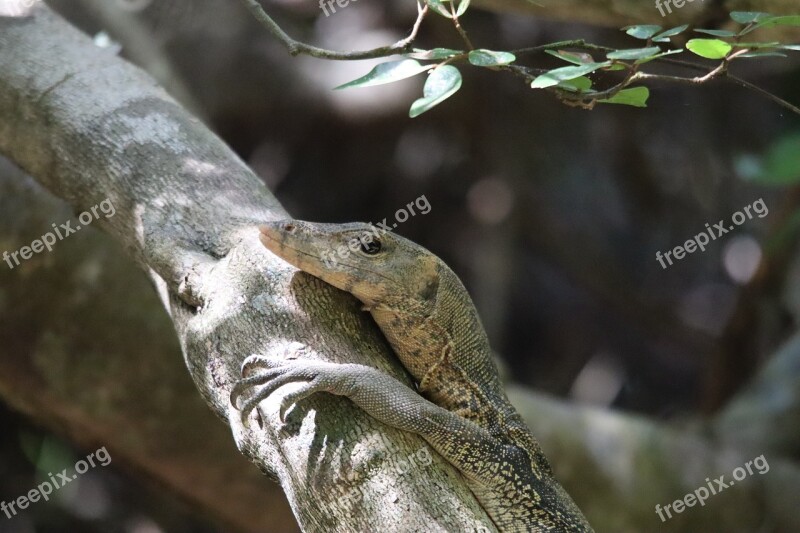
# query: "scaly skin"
{"points": [[431, 323]]}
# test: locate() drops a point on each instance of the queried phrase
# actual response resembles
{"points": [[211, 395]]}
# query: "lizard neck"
{"points": [[445, 335]]}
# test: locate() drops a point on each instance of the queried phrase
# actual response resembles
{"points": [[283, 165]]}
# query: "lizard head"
{"points": [[376, 266]]}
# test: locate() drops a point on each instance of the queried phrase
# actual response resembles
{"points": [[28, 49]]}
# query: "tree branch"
{"points": [[296, 47], [90, 127], [618, 467], [74, 359]]}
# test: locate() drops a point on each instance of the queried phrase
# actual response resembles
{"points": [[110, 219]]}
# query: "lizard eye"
{"points": [[371, 247]]}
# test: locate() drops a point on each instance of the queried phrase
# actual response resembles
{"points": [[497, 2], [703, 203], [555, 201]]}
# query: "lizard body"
{"points": [[431, 323]]}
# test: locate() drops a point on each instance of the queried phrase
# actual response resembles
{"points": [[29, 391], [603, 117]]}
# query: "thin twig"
{"points": [[296, 47], [459, 29], [528, 73], [777, 99], [588, 100], [717, 72], [576, 43], [739, 81], [699, 80]]}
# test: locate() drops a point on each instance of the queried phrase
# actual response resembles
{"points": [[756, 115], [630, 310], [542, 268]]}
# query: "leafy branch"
{"points": [[570, 84], [297, 48]]}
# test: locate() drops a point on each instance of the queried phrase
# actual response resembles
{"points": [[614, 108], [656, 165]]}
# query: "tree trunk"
{"points": [[90, 127]]}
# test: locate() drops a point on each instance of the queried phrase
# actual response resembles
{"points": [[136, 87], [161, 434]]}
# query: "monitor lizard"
{"points": [[429, 319]]}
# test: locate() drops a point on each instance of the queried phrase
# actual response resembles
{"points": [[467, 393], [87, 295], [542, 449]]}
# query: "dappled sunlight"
{"points": [[490, 200], [741, 257], [599, 381], [197, 167], [17, 8], [707, 307], [354, 28]]}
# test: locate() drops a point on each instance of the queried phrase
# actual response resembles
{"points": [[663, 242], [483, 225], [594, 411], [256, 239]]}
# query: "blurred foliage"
{"points": [[103, 499], [779, 166], [552, 216]]}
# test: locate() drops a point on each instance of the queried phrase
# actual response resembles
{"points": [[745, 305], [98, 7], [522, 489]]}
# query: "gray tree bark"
{"points": [[89, 127], [87, 351]]}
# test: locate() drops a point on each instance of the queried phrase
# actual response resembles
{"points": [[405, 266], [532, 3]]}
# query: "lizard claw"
{"points": [[248, 380], [263, 375], [291, 398], [256, 370]]}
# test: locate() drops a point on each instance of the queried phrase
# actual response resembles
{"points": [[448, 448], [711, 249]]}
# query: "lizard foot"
{"points": [[262, 375]]}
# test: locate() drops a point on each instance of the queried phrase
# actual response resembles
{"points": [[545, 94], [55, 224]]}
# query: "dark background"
{"points": [[551, 215]]}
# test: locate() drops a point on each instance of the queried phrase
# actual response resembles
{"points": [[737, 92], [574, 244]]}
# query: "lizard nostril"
{"points": [[289, 227]]}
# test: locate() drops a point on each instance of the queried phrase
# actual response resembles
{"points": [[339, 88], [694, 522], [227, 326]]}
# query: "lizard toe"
{"points": [[277, 377], [295, 396], [245, 417], [241, 387], [324, 377], [256, 361]]}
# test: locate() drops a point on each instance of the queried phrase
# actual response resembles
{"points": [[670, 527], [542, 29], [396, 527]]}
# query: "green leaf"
{"points": [[665, 35], [788, 20], [387, 73], [576, 58], [434, 53], [709, 48], [780, 166], [490, 58], [757, 45], [718, 33], [662, 54], [746, 17], [553, 77], [642, 31], [790, 46], [580, 84], [439, 7], [462, 7], [761, 53], [634, 53], [783, 237], [440, 85], [635, 96]]}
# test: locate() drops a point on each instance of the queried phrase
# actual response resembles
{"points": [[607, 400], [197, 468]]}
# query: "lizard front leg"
{"points": [[380, 395], [498, 473]]}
